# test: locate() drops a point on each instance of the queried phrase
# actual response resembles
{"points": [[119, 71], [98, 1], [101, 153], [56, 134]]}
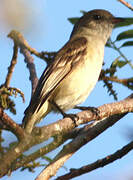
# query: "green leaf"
{"points": [[83, 12], [125, 35], [73, 20], [126, 22], [108, 44], [47, 158], [114, 63], [120, 64], [128, 43]]}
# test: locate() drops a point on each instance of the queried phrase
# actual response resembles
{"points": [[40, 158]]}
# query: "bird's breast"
{"points": [[78, 84]]}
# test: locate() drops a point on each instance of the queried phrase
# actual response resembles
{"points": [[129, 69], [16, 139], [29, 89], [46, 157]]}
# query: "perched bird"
{"points": [[70, 78]]}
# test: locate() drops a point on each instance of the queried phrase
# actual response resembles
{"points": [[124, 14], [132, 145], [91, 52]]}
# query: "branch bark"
{"points": [[12, 65], [7, 123], [88, 133], [113, 112], [29, 60]]}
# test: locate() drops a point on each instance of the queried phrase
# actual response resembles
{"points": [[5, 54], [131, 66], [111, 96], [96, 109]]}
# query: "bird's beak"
{"points": [[116, 20]]}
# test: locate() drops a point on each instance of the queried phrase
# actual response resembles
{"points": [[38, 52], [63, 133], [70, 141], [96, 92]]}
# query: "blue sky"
{"points": [[44, 24]]}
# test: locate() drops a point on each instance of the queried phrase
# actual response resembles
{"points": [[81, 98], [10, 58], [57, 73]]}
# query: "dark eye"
{"points": [[97, 17]]}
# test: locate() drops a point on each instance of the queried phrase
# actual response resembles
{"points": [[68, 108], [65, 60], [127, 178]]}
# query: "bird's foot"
{"points": [[73, 117]]}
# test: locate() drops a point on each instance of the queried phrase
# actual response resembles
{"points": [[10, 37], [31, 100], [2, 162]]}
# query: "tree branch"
{"points": [[88, 133], [128, 82], [18, 37], [61, 127], [126, 4], [25, 49], [58, 140], [29, 60], [12, 65], [7, 123], [97, 164], [121, 54]]}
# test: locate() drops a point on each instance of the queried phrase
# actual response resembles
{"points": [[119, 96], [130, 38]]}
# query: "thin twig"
{"points": [[12, 65], [8, 124], [126, 4], [29, 60], [97, 164], [25, 48], [18, 37], [126, 82], [119, 51], [16, 91]]}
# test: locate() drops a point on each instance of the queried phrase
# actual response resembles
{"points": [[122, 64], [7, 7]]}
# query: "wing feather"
{"points": [[64, 62]]}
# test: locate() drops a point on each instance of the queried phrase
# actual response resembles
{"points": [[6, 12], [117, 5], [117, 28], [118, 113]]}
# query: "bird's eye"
{"points": [[97, 17]]}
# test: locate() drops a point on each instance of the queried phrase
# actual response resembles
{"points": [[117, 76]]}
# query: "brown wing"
{"points": [[64, 62]]}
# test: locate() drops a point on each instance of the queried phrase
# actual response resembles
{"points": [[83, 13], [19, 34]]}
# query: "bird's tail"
{"points": [[31, 118]]}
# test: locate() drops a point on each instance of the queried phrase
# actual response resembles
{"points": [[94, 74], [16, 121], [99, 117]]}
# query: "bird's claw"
{"points": [[73, 117]]}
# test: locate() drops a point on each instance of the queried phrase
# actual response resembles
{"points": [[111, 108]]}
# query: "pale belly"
{"points": [[78, 85]]}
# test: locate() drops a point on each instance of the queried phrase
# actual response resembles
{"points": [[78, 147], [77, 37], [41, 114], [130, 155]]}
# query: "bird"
{"points": [[76, 67]]}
